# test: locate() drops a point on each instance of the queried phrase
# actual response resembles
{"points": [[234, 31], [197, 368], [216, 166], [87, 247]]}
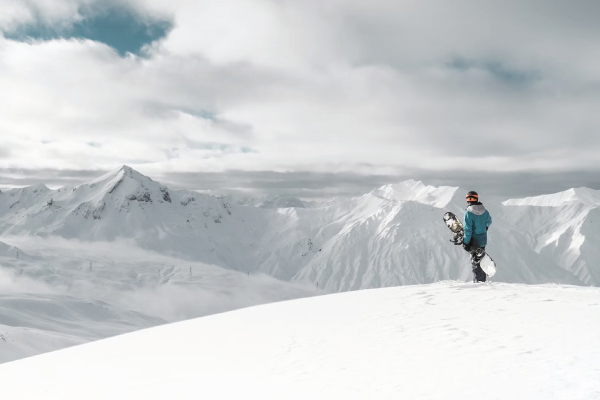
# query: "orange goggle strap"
{"points": [[472, 198]]}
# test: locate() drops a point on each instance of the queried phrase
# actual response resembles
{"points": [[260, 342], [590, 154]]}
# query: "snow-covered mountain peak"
{"points": [[412, 190], [127, 183], [36, 190], [37, 209], [582, 195], [39, 187], [118, 175]]}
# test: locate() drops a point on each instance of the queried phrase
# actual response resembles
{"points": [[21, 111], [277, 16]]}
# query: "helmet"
{"points": [[472, 196]]}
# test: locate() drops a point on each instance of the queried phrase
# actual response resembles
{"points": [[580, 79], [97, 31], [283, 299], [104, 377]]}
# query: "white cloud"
{"points": [[312, 85], [14, 13]]}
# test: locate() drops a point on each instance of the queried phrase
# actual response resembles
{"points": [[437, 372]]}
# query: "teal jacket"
{"points": [[477, 220]]}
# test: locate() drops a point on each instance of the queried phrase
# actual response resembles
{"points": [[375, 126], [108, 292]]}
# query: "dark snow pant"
{"points": [[478, 274]]}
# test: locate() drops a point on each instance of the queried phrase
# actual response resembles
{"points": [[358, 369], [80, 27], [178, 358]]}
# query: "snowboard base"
{"points": [[488, 265]]}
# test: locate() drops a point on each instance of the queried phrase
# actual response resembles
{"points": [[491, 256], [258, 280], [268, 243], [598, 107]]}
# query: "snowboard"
{"points": [[485, 261]]}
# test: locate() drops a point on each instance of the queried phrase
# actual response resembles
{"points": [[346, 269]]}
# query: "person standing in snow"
{"points": [[477, 222]]}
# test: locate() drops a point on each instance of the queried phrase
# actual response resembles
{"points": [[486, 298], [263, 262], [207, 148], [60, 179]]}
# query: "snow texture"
{"points": [[441, 341]]}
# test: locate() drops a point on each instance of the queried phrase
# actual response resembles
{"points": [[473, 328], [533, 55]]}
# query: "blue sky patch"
{"points": [[120, 29], [204, 114], [498, 70]]}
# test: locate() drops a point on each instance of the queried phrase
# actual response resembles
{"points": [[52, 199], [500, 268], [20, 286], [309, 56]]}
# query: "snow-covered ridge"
{"points": [[412, 190], [283, 202], [564, 227], [6, 250], [417, 342], [582, 195]]}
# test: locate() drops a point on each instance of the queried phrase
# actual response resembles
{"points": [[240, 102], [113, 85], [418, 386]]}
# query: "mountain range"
{"points": [[393, 235]]}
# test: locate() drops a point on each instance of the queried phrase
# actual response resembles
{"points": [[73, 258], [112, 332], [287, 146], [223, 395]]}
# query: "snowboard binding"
{"points": [[457, 239], [476, 256]]}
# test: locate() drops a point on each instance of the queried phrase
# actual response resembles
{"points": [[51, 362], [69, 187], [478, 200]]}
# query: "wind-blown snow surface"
{"points": [[441, 341]]}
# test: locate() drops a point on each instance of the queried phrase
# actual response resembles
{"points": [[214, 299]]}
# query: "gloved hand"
{"points": [[467, 246], [457, 240]]}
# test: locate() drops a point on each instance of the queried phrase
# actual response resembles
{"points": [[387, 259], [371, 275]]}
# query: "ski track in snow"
{"points": [[448, 341]]}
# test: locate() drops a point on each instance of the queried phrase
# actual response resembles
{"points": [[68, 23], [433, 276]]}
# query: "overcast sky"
{"points": [[306, 97]]}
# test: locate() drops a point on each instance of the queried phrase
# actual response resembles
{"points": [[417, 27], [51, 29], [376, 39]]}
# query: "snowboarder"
{"points": [[477, 222]]}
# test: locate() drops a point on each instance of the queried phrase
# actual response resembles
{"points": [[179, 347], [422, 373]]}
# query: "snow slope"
{"points": [[582, 195], [60, 292], [563, 227], [33, 324], [441, 341], [412, 190]]}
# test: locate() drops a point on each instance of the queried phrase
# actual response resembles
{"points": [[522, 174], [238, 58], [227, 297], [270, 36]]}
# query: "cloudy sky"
{"points": [[308, 97]]}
